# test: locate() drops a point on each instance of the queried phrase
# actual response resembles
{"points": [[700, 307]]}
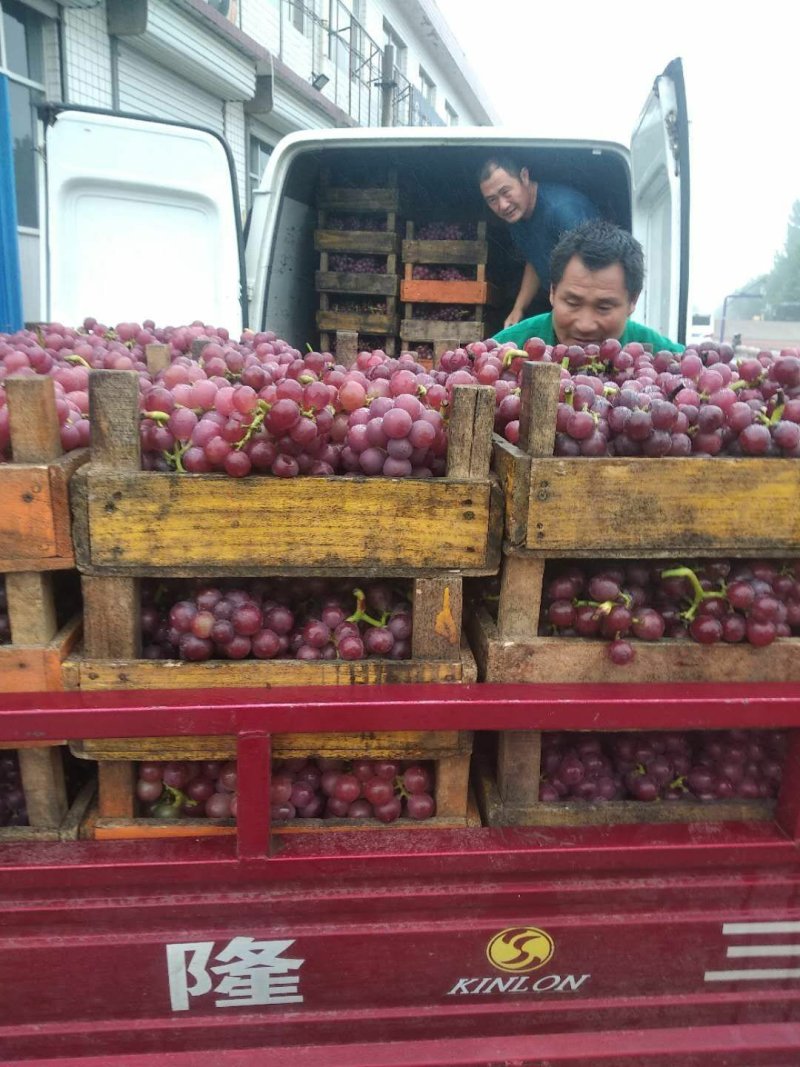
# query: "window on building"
{"points": [[259, 154], [451, 113], [299, 15], [427, 86], [396, 41], [22, 61]]}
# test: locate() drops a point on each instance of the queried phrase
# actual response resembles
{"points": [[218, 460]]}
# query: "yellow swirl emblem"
{"points": [[519, 949]]}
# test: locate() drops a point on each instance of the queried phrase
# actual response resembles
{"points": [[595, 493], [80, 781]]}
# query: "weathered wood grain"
{"points": [[364, 322], [664, 507], [147, 523], [375, 242], [351, 282], [37, 668], [573, 659], [42, 774]]}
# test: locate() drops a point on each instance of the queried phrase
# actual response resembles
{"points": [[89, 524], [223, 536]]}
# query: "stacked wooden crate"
{"points": [[35, 545], [472, 255], [376, 202], [35, 539], [130, 524], [559, 508]]}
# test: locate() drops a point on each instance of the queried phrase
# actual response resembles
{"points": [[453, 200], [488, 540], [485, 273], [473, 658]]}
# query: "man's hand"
{"points": [[512, 318]]}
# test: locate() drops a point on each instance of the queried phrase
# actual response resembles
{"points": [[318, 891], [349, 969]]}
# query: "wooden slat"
{"points": [[359, 201], [350, 282], [430, 291], [664, 507], [111, 608], [146, 522], [114, 414], [42, 774], [452, 786], [470, 432], [107, 673], [437, 608], [30, 669], [430, 330], [452, 252], [157, 357], [366, 322], [33, 419], [375, 242], [513, 469], [395, 744], [31, 607], [572, 659], [537, 420], [117, 784], [520, 598], [34, 513], [346, 347], [519, 754]]}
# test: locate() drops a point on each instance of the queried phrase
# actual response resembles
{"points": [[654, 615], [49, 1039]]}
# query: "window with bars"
{"points": [[22, 61]]}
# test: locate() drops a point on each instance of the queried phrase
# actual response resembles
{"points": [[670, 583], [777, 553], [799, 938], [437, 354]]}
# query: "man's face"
{"points": [[589, 306], [510, 198]]}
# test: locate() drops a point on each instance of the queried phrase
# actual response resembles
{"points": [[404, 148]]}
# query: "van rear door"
{"points": [[142, 222], [660, 176]]}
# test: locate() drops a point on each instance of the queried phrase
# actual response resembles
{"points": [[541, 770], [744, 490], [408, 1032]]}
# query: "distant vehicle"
{"points": [[701, 328]]}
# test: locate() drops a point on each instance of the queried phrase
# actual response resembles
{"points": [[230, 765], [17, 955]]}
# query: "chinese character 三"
{"points": [[251, 973]]}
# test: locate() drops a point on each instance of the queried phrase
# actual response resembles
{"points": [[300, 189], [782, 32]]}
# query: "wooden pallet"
{"points": [[50, 815], [510, 797], [34, 498], [130, 522], [116, 810]]}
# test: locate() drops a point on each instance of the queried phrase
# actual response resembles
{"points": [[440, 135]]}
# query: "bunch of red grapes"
{"points": [[677, 766], [5, 622], [348, 264], [446, 231], [193, 789], [373, 223], [422, 272], [302, 619], [378, 789], [12, 797], [444, 312], [617, 401], [753, 601]]}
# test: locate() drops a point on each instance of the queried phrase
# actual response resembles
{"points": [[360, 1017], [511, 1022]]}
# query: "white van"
{"points": [[142, 217]]}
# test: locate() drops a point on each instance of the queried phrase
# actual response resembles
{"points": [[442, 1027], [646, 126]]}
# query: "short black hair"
{"points": [[600, 244], [507, 163]]}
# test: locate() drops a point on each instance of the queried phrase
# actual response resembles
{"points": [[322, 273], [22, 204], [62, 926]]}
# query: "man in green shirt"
{"points": [[596, 276]]}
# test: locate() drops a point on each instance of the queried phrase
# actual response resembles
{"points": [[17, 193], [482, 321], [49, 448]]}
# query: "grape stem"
{"points": [[512, 354], [262, 409], [160, 417], [700, 594], [176, 798], [176, 456], [360, 614], [75, 359]]}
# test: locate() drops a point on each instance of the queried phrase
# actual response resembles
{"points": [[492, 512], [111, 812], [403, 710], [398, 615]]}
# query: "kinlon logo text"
{"points": [[518, 951]]}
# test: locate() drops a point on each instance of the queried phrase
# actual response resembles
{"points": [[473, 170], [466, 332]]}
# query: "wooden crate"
{"points": [[116, 810], [453, 253], [510, 797], [50, 815], [371, 200], [442, 335], [656, 508], [34, 497], [367, 322], [130, 522]]}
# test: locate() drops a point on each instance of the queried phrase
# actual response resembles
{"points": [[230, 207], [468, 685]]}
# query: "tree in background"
{"points": [[782, 288]]}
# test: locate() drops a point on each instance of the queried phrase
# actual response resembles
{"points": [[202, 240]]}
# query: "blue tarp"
{"points": [[10, 289]]}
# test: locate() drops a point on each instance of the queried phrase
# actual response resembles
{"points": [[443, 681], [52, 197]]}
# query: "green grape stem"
{"points": [[700, 594], [75, 359], [360, 614], [262, 409], [512, 354], [161, 417], [177, 798]]}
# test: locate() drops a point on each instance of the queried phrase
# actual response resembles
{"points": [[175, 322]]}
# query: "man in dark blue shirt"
{"points": [[539, 213]]}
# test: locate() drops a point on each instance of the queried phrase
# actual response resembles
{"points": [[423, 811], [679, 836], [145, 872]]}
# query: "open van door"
{"points": [[142, 221], [660, 175]]}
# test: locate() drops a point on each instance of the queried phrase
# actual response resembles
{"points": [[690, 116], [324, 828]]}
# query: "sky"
{"points": [[586, 69]]}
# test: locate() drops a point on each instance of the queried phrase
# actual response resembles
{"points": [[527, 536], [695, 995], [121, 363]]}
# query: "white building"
{"points": [[252, 70]]}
